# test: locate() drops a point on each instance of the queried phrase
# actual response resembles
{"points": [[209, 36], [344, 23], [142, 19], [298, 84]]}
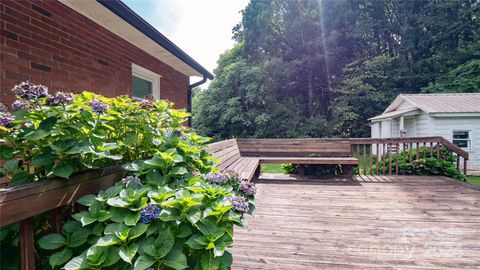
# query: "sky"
{"points": [[201, 28]]}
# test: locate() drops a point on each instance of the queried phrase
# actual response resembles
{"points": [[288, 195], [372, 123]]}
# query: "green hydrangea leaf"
{"points": [[60, 257], [176, 260], [52, 241], [127, 253], [143, 262]]}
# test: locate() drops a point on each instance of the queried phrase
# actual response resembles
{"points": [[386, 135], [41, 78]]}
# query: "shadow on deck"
{"points": [[383, 222]]}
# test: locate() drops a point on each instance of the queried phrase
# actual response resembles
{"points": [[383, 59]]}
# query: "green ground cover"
{"points": [[474, 180]]}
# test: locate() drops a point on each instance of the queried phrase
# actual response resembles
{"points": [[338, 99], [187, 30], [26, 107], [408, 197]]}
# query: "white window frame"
{"points": [[148, 75], [469, 140]]}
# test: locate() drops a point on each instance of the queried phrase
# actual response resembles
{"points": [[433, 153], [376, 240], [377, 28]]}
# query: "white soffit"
{"points": [[105, 18]]}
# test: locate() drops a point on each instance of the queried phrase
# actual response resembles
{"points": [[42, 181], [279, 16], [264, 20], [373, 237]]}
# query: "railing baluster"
{"points": [[458, 163], [438, 149], [424, 150], [376, 160], [390, 158], [431, 149], [411, 152], [464, 166], [371, 150], [384, 158], [365, 159], [396, 159], [418, 150], [27, 245]]}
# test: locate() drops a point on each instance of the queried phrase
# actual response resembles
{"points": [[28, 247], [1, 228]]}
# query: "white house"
{"points": [[454, 116]]}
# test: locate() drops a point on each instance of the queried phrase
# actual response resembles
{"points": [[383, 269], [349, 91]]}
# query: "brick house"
{"points": [[96, 45]]}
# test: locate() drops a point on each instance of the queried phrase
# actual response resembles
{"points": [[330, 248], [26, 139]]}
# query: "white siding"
{"points": [[410, 126], [404, 105], [423, 125], [375, 130], [395, 128], [444, 126], [386, 129]]}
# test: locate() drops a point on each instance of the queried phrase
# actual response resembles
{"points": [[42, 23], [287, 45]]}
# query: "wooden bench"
{"points": [[300, 151], [229, 159], [244, 156]]}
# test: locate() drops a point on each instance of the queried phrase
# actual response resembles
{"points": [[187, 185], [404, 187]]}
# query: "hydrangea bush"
{"points": [[55, 135], [173, 210]]}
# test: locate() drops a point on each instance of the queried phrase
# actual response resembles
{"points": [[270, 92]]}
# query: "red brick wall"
{"points": [[48, 43]]}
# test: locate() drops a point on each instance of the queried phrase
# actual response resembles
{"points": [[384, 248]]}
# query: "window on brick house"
{"points": [[144, 82]]}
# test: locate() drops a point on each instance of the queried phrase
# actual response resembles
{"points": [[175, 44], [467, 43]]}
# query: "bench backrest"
{"points": [[295, 147], [226, 152]]}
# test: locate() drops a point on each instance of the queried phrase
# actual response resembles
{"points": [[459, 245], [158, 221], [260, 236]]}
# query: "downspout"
{"points": [[189, 105]]}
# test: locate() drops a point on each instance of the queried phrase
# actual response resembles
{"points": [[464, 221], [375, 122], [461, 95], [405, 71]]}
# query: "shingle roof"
{"points": [[440, 103]]}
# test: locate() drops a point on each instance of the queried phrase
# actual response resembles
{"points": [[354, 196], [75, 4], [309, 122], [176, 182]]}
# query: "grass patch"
{"points": [[272, 168], [474, 180]]}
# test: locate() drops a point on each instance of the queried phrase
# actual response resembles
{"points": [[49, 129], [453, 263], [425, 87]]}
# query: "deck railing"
{"points": [[21, 204], [381, 155]]}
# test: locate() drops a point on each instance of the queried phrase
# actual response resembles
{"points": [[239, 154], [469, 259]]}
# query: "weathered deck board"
{"points": [[379, 222]]}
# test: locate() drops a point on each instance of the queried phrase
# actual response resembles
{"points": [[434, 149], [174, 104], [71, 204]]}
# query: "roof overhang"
{"points": [[395, 114], [119, 19], [453, 114]]}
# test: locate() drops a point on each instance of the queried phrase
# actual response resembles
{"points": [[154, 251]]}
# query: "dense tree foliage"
{"points": [[322, 68]]}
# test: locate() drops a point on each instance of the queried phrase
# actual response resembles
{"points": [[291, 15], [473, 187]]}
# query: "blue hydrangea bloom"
{"points": [[20, 104], [239, 204], [60, 98], [6, 119], [248, 188], [28, 91], [3, 108], [98, 106], [149, 213], [217, 178]]}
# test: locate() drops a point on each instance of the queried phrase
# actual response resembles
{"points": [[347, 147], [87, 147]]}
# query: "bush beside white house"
{"points": [[454, 116]]}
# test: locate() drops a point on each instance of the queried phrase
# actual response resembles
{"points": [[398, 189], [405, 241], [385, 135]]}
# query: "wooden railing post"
{"points": [[27, 245]]}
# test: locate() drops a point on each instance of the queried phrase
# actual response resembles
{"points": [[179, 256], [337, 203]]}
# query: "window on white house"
{"points": [[144, 82], [461, 139]]}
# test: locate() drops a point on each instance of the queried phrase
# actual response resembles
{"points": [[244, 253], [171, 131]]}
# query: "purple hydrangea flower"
{"points": [[132, 181], [28, 90], [239, 204], [148, 213], [234, 176], [217, 178], [60, 98], [20, 104], [3, 108], [98, 106], [6, 119], [248, 188]]}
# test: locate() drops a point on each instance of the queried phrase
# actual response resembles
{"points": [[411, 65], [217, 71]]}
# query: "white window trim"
{"points": [[469, 140], [148, 75]]}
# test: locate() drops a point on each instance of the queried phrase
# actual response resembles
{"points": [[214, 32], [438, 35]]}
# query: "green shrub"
{"points": [[314, 169], [52, 136], [427, 164], [172, 211]]}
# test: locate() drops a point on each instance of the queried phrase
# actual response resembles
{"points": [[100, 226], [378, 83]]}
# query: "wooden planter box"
{"points": [[20, 204]]}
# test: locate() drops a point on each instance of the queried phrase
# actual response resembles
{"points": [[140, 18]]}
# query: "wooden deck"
{"points": [[379, 222]]}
